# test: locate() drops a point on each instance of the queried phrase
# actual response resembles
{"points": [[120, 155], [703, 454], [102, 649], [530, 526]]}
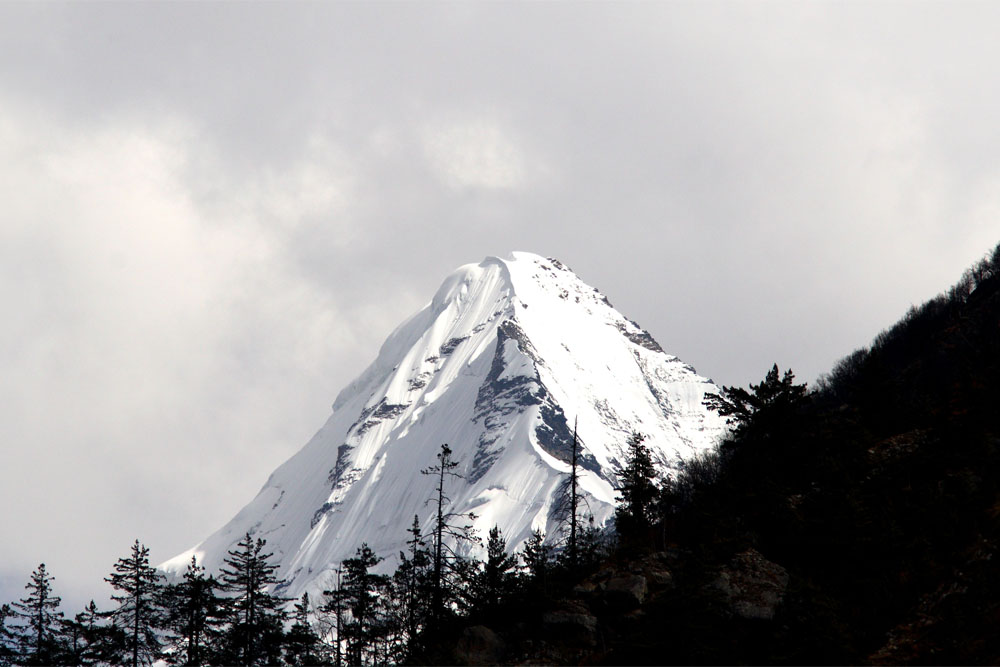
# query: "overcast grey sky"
{"points": [[211, 215]]}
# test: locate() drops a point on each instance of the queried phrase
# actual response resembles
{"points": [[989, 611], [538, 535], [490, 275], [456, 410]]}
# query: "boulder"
{"points": [[752, 586], [479, 645], [661, 578], [573, 623], [585, 588], [625, 592]]}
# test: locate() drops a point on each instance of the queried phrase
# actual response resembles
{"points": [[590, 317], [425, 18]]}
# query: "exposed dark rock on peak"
{"points": [[450, 345], [372, 415], [641, 337], [503, 394]]}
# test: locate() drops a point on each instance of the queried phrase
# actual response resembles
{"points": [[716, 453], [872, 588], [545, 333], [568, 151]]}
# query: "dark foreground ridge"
{"points": [[856, 523]]}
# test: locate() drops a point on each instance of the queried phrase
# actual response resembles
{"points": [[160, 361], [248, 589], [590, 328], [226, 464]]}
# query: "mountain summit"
{"points": [[506, 357]]}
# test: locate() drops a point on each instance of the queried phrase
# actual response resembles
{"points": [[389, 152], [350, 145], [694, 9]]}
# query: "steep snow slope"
{"points": [[498, 365]]}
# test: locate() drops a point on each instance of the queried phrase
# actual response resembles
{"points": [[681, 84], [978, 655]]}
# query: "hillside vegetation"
{"points": [[858, 522]]}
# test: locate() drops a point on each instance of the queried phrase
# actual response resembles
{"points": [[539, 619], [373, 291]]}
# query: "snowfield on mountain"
{"points": [[505, 359]]}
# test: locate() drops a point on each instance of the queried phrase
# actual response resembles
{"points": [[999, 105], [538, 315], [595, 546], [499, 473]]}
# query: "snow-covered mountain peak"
{"points": [[506, 357]]}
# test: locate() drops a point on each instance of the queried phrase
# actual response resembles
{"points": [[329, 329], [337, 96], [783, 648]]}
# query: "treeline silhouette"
{"points": [[857, 522], [878, 493], [234, 617]]}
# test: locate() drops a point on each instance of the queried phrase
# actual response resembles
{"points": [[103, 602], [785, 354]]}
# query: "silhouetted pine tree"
{"points": [[39, 637], [138, 614], [496, 580], [411, 586], [537, 557], [255, 615], [8, 640], [592, 546], [767, 407], [87, 638], [637, 492], [302, 645], [335, 606], [444, 589], [574, 503], [763, 457], [195, 615], [568, 507], [362, 590]]}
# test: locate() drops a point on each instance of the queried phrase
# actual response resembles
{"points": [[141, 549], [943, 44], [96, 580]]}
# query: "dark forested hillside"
{"points": [[877, 494], [857, 522]]}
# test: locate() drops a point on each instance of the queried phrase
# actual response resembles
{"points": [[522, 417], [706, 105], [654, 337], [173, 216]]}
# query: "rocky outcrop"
{"points": [[503, 394], [479, 645], [752, 586], [571, 622], [616, 590], [625, 592]]}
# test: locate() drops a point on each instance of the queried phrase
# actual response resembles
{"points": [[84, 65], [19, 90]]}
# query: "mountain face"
{"points": [[508, 355]]}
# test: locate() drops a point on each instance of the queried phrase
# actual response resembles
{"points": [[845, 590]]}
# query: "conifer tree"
{"points": [[8, 640], [335, 605], [766, 430], [537, 557], [138, 614], [496, 579], [362, 590], [591, 546], [39, 637], [765, 406], [569, 508], [574, 482], [195, 614], [302, 644], [411, 584], [446, 525], [73, 643], [97, 635], [86, 637], [637, 492], [255, 615]]}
